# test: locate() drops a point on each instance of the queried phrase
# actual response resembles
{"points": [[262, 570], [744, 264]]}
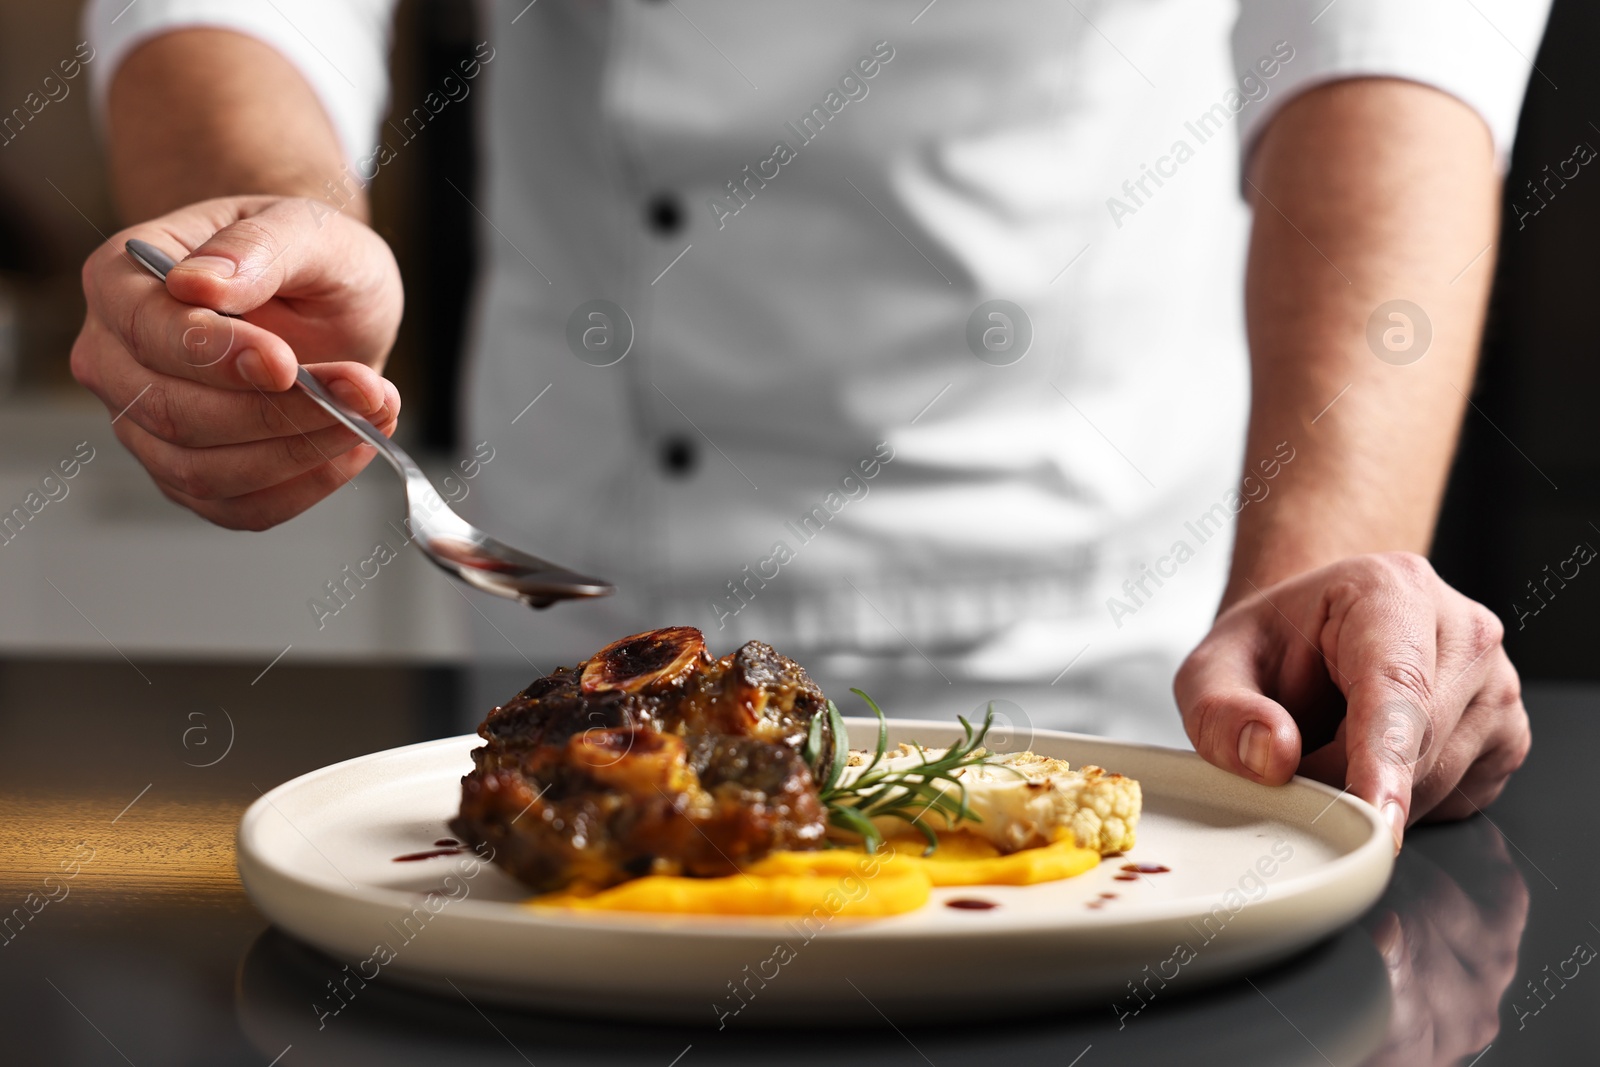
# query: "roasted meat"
{"points": [[650, 757]]}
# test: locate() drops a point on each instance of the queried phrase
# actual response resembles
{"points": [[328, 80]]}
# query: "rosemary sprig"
{"points": [[906, 794]]}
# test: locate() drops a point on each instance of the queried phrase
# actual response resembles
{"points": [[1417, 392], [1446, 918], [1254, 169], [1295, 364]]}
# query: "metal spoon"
{"points": [[443, 536]]}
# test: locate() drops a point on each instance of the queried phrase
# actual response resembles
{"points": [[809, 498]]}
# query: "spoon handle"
{"points": [[159, 263], [397, 456]]}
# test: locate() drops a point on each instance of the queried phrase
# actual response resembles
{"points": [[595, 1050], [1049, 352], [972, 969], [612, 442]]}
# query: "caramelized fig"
{"points": [[655, 658]]}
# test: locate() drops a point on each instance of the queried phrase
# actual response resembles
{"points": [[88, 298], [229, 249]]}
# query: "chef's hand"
{"points": [[1371, 673], [203, 400]]}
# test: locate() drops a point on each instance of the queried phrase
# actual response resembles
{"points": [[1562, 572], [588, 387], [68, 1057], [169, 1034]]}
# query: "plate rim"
{"points": [[251, 862]]}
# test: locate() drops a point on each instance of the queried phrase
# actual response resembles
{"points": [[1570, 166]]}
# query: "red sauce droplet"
{"points": [[1108, 896], [446, 842], [1095, 905], [1146, 868], [1125, 878], [970, 904], [410, 857]]}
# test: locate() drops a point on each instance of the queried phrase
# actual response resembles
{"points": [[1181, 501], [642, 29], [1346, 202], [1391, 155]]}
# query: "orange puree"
{"points": [[844, 882]]}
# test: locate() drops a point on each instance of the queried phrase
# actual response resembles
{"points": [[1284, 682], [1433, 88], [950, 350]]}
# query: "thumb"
{"points": [[1230, 720], [289, 246]]}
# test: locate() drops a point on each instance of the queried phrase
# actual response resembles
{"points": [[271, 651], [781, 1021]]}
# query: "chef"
{"points": [[961, 351]]}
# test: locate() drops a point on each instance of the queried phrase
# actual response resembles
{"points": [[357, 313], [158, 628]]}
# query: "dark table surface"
{"points": [[125, 936]]}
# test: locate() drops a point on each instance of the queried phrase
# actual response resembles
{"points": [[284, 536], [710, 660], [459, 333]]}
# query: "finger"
{"points": [[266, 508], [290, 248], [168, 336], [1230, 720], [1490, 743], [228, 471], [1381, 637], [182, 412], [1477, 693]]}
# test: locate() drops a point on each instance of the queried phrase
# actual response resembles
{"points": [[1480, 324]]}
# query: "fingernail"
{"points": [[222, 268], [1395, 816], [253, 369], [1255, 748], [351, 396]]}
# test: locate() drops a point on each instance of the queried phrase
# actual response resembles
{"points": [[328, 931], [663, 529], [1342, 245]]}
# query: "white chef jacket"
{"points": [[855, 186]]}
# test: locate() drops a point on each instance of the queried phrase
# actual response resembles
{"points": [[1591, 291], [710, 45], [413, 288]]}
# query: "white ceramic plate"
{"points": [[1256, 874]]}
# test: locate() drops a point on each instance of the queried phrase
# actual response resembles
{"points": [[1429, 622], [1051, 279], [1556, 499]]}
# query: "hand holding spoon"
{"points": [[444, 537]]}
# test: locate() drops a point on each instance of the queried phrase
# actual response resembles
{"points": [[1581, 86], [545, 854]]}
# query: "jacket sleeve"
{"points": [[1481, 52], [340, 47]]}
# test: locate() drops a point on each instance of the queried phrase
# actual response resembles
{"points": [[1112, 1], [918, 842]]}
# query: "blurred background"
{"points": [[113, 563]]}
